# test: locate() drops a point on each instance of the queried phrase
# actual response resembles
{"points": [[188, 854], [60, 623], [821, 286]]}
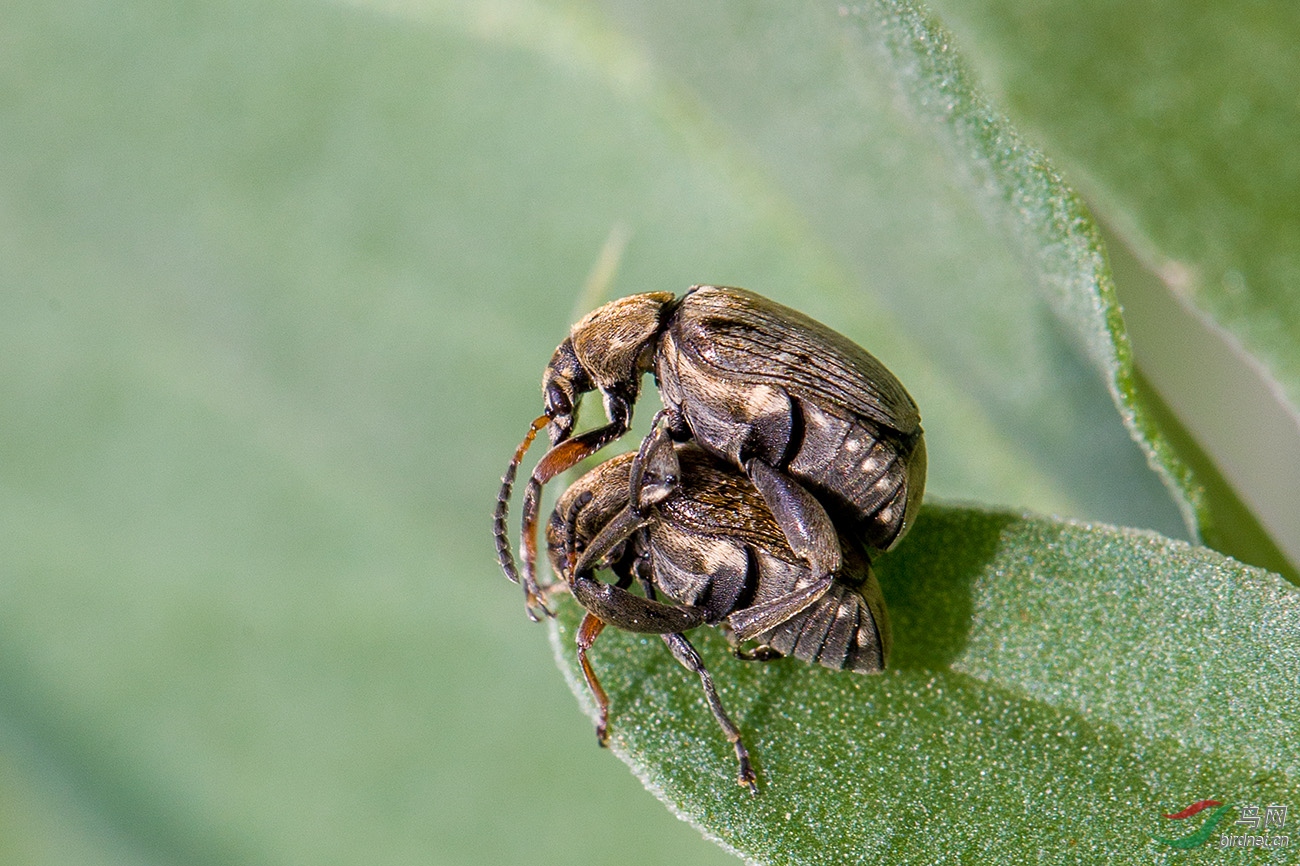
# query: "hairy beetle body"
{"points": [[710, 544], [713, 545], [751, 379]]}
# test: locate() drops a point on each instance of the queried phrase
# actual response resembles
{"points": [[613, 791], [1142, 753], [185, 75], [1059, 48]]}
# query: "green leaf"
{"points": [[864, 117], [279, 280], [1178, 121], [1055, 688]]}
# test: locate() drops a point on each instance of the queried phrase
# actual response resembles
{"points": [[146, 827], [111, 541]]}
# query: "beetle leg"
{"points": [[612, 602], [759, 618], [760, 653], [560, 458], [631, 612], [690, 659], [613, 533], [588, 631], [803, 520], [641, 570], [571, 532]]}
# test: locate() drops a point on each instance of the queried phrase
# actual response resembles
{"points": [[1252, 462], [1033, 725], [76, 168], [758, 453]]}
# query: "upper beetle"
{"points": [[815, 421], [700, 534]]}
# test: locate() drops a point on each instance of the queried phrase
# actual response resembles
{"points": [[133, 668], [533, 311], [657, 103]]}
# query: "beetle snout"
{"points": [[563, 384]]}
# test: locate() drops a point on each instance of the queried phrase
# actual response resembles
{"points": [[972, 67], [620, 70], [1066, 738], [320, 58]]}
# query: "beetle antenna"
{"points": [[504, 555]]}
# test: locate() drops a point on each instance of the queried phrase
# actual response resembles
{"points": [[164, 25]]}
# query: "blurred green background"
{"points": [[278, 284], [267, 274]]}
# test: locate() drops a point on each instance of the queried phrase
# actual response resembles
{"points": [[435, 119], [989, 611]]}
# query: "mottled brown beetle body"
{"points": [[710, 544], [751, 379], [822, 429], [713, 545]]}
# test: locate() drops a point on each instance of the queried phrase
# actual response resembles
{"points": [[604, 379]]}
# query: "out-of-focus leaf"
{"points": [[1055, 689], [1179, 122], [865, 118]]}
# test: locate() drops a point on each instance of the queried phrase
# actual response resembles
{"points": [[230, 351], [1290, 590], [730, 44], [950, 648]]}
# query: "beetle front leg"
{"points": [[630, 612], [655, 471], [560, 458], [690, 659], [619, 528]]}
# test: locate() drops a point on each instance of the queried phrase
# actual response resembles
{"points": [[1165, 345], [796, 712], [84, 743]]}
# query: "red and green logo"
{"points": [[1204, 832]]}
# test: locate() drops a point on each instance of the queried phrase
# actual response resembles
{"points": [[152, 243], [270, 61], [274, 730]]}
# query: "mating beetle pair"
{"points": [[812, 437]]}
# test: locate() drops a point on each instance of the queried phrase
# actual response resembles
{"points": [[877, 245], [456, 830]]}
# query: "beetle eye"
{"points": [[558, 404], [561, 411]]}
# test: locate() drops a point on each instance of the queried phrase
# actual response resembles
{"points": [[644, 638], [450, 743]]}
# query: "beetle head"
{"points": [[584, 509], [563, 384], [608, 350]]}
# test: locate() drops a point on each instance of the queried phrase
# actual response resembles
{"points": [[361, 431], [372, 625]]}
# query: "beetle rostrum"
{"points": [[826, 434], [703, 537]]}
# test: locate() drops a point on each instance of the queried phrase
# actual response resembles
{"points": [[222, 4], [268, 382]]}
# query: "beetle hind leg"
{"points": [[690, 659], [760, 653], [588, 631], [759, 618], [803, 520]]}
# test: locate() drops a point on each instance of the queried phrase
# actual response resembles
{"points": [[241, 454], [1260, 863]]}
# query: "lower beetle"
{"points": [[824, 432], [701, 535]]}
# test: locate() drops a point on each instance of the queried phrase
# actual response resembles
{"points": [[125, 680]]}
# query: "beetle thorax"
{"points": [[616, 343]]}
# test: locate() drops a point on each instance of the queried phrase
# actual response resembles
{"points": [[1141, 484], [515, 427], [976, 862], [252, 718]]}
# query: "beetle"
{"points": [[701, 534], [817, 424]]}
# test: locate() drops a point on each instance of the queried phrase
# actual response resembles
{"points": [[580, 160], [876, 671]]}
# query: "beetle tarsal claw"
{"points": [[535, 604]]}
